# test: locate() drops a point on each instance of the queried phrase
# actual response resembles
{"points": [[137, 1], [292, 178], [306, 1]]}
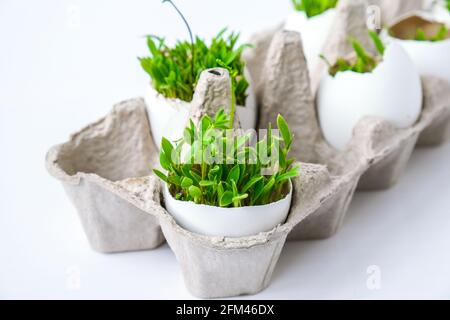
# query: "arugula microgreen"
{"points": [[175, 70], [314, 8], [363, 62], [214, 166]]}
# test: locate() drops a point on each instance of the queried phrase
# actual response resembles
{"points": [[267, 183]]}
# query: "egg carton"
{"points": [[378, 153], [392, 9], [106, 172]]}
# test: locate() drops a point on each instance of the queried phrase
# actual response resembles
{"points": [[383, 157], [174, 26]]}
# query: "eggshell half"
{"points": [[169, 117], [314, 32], [430, 58], [227, 222], [440, 13], [392, 91]]}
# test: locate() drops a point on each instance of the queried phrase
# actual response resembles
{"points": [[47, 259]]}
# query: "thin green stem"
{"points": [[190, 36]]}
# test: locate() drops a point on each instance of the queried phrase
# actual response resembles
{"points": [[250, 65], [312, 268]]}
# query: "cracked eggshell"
{"points": [[227, 222], [431, 58], [393, 91], [169, 117], [314, 32], [440, 13]]}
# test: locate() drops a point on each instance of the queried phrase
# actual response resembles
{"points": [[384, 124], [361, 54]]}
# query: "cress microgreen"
{"points": [[440, 35], [213, 165], [175, 70], [314, 7], [363, 62]]}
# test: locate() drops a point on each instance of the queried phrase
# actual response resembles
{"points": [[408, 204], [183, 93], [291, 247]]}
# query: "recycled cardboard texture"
{"points": [[89, 165], [122, 214], [380, 158], [106, 170], [218, 266], [213, 94], [350, 19], [437, 92], [212, 266], [392, 9]]}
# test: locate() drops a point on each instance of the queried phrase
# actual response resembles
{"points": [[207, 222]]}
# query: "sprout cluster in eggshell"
{"points": [[392, 91]]}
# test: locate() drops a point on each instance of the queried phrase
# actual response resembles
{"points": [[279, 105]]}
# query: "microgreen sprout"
{"points": [[363, 62], [213, 165], [175, 70], [441, 34], [314, 7]]}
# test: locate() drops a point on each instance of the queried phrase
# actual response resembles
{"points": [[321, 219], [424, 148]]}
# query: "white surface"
{"points": [[227, 222], [392, 91], [56, 78]]}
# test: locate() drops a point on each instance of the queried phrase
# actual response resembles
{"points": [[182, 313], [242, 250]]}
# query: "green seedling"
{"points": [[314, 7], [440, 35], [364, 61], [201, 168], [175, 70]]}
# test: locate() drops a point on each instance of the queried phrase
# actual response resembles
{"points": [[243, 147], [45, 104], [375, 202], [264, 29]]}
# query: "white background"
{"points": [[64, 63]]}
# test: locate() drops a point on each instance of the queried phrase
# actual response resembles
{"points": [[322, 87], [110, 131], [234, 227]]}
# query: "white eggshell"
{"points": [[430, 58], [169, 117], [227, 222], [314, 32], [440, 13], [392, 91]]}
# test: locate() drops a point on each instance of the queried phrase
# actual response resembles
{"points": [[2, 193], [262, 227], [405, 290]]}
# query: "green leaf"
{"points": [[175, 70], [441, 34], [314, 8], [226, 199], [284, 129], [188, 136], [251, 183], [259, 186], [206, 183], [377, 41], [269, 185], [165, 164], [186, 182], [176, 180], [195, 176], [195, 192], [420, 35], [167, 148], [364, 62], [240, 197], [220, 190], [161, 175], [360, 51], [288, 175], [234, 174]]}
